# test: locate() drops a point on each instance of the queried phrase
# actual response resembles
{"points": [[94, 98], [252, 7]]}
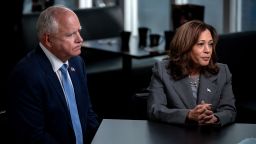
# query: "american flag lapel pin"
{"points": [[72, 69]]}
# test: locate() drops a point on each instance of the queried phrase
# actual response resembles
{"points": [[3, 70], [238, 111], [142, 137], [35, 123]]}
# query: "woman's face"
{"points": [[202, 50]]}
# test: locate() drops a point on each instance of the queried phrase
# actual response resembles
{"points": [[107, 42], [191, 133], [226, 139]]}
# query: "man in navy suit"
{"points": [[38, 109]]}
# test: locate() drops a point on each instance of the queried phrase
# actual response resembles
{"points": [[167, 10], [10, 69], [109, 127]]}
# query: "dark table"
{"points": [[114, 45], [115, 131]]}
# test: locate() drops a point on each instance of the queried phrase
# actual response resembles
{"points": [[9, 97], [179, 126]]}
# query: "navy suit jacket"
{"points": [[170, 100], [38, 112]]}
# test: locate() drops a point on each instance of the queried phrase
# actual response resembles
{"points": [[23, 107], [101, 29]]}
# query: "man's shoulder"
{"points": [[28, 66], [76, 61]]}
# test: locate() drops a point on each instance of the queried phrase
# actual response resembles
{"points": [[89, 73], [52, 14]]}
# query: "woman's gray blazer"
{"points": [[170, 100]]}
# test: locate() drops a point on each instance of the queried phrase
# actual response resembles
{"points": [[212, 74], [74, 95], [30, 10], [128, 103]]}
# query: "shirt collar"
{"points": [[55, 62]]}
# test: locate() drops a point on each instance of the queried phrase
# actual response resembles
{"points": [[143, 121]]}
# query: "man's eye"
{"points": [[69, 35]]}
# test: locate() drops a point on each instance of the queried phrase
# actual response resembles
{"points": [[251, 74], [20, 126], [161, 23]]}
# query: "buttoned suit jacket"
{"points": [[170, 100], [38, 111]]}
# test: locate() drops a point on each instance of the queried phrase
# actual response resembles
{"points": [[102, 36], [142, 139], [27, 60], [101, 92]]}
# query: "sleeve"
{"points": [[26, 116], [158, 108], [226, 110]]}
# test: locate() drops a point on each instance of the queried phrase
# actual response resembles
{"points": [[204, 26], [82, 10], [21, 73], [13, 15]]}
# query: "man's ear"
{"points": [[47, 39]]}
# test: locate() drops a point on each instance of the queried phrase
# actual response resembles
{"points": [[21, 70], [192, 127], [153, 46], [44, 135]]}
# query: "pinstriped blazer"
{"points": [[170, 101]]}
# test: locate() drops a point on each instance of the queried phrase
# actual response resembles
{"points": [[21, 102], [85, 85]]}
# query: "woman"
{"points": [[190, 87]]}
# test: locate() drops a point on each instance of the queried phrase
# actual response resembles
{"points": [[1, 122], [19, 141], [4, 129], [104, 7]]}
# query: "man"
{"points": [[41, 109]]}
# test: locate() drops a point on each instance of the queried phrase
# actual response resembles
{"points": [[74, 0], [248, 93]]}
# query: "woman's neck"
{"points": [[194, 73]]}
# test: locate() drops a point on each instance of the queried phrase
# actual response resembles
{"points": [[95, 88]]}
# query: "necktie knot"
{"points": [[64, 68], [64, 71]]}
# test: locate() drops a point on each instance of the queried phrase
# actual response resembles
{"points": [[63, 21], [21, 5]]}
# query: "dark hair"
{"points": [[181, 45]]}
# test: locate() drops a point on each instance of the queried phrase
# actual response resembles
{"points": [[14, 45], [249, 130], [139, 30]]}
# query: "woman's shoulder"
{"points": [[161, 66], [222, 65], [163, 62], [223, 68]]}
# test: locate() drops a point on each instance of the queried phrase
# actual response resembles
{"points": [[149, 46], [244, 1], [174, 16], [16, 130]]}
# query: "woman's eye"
{"points": [[200, 44]]}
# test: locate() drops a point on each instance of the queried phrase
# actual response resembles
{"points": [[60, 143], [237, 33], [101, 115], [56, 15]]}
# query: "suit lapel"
{"points": [[75, 81], [80, 101], [207, 89], [53, 81], [183, 89]]}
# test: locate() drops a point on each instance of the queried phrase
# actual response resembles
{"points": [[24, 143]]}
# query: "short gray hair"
{"points": [[46, 22]]}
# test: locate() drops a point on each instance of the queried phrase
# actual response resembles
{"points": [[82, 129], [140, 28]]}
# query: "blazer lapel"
{"points": [[75, 81], [73, 72], [80, 101], [183, 89], [53, 81], [207, 89]]}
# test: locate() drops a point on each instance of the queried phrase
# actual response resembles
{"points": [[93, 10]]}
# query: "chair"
{"points": [[4, 129], [29, 33], [186, 12], [98, 23], [139, 101], [235, 50]]}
